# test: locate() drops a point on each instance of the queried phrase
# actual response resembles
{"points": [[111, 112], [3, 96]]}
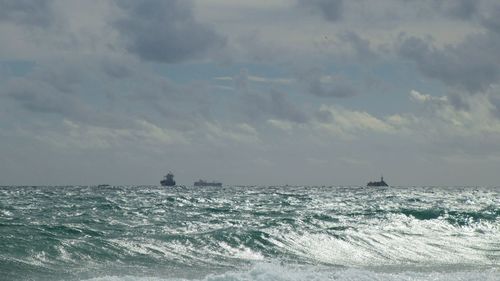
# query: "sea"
{"points": [[264, 233]]}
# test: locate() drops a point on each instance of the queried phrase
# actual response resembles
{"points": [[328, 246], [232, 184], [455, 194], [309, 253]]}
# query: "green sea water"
{"points": [[249, 233]]}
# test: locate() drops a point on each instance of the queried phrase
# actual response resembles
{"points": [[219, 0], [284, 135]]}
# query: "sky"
{"points": [[263, 92]]}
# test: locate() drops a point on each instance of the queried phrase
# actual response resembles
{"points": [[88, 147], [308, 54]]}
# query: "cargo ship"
{"points": [[206, 183], [378, 183], [168, 180]]}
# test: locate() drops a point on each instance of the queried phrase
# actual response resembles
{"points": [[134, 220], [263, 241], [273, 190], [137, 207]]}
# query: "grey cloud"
{"points": [[40, 97], [28, 12], [491, 19], [324, 116], [116, 70], [63, 77], [495, 101], [282, 108], [484, 12], [426, 9], [457, 101], [360, 45], [165, 31], [331, 10], [339, 89], [72, 89], [274, 104], [321, 85], [460, 9], [109, 93], [473, 64], [241, 80]]}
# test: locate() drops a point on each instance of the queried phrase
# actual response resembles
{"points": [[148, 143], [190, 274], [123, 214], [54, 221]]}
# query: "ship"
{"points": [[378, 183], [168, 180], [206, 183]]}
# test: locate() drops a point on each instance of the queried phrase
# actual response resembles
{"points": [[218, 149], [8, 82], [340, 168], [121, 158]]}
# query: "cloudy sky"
{"points": [[250, 92]]}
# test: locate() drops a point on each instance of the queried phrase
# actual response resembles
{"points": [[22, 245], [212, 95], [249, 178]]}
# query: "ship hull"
{"points": [[208, 184], [377, 184], [165, 183]]}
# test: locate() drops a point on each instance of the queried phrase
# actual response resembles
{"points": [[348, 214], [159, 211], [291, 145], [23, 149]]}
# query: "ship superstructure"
{"points": [[378, 183], [168, 180]]}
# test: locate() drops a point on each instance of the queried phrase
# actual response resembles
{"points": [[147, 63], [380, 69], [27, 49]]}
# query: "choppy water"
{"points": [[249, 233]]}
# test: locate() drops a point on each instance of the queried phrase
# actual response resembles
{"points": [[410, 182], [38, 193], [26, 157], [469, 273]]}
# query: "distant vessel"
{"points": [[378, 183], [168, 180], [206, 183], [103, 185]]}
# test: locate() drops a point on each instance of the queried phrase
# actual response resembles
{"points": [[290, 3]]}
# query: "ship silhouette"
{"points": [[168, 180], [378, 183], [206, 183]]}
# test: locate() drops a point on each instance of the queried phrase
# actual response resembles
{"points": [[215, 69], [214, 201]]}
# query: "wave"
{"points": [[81, 230], [274, 272]]}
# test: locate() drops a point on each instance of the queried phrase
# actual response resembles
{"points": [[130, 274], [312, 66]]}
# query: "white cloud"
{"points": [[239, 133], [83, 136], [448, 120], [281, 124], [355, 121], [422, 98]]}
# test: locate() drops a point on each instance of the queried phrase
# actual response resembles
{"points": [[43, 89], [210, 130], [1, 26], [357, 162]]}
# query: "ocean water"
{"points": [[249, 233]]}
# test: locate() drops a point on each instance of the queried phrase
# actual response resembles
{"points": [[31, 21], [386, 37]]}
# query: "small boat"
{"points": [[206, 183], [378, 183], [168, 180]]}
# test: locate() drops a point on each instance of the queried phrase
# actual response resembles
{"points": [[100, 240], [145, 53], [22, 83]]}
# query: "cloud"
{"points": [[422, 98], [261, 105], [41, 97], [142, 134], [444, 120], [351, 121], [84, 136], [472, 64], [495, 101], [460, 9], [258, 79], [89, 90], [490, 18], [331, 10], [258, 45], [321, 85], [238, 133], [333, 87], [274, 104], [332, 122], [35, 13], [361, 46], [281, 124], [279, 106], [165, 31]]}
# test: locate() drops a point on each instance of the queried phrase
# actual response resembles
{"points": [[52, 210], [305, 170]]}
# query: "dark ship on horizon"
{"points": [[206, 183], [378, 183], [168, 180]]}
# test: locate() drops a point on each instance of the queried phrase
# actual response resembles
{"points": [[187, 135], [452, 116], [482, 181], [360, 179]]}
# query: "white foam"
{"points": [[398, 239], [241, 252]]}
